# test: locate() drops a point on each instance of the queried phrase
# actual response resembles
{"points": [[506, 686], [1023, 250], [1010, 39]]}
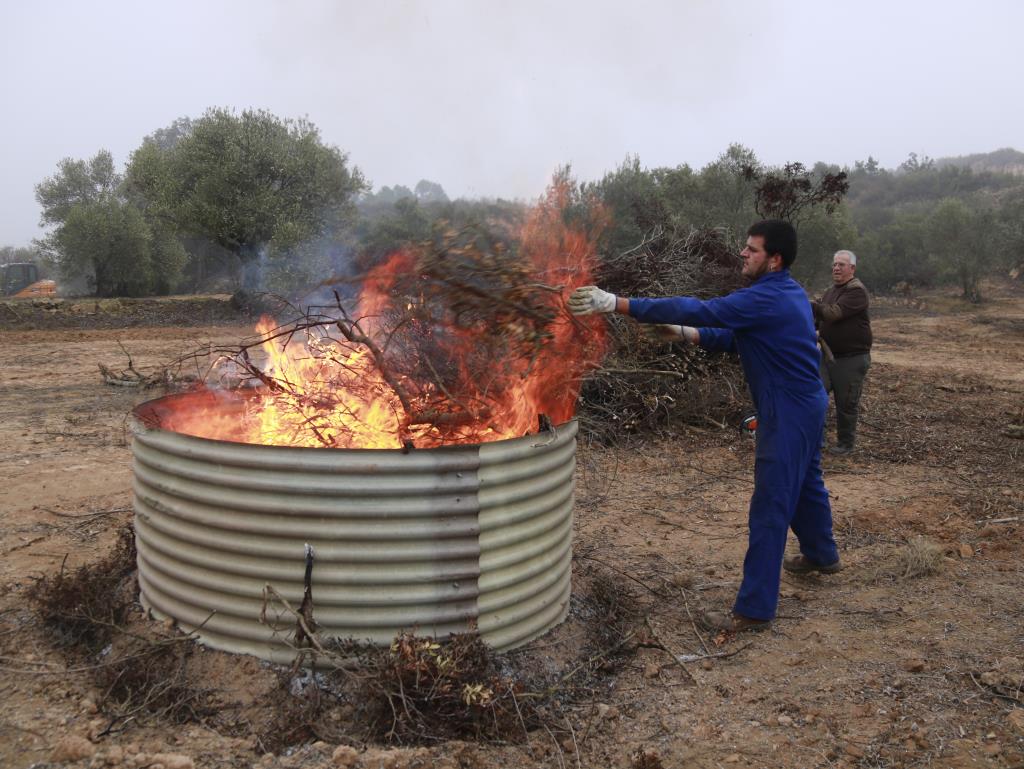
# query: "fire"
{"points": [[413, 367]]}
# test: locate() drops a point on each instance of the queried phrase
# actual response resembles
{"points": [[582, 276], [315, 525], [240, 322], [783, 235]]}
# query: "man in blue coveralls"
{"points": [[769, 323]]}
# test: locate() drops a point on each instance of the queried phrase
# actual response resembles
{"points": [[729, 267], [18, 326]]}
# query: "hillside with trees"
{"points": [[252, 201]]}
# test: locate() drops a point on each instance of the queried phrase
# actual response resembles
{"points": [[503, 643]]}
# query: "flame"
{"points": [[349, 383]]}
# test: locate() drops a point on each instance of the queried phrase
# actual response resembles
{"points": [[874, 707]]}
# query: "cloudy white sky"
{"points": [[487, 97]]}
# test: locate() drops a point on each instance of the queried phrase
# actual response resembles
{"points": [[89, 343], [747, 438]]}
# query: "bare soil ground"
{"points": [[909, 657]]}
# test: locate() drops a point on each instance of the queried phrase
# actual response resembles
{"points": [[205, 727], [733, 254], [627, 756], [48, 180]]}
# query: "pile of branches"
{"points": [[419, 690], [652, 387], [702, 262], [86, 614], [81, 608], [170, 376], [150, 674]]}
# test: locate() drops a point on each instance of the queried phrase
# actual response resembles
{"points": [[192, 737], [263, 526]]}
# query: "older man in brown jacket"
{"points": [[845, 328]]}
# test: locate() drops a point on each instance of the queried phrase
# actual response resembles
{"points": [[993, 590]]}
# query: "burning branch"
{"points": [[460, 339]]}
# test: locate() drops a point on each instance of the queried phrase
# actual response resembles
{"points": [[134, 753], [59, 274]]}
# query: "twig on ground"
{"points": [[676, 658], [718, 655], [91, 514]]}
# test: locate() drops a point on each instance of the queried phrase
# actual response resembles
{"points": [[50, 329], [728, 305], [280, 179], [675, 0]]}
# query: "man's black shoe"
{"points": [[800, 564], [731, 622]]}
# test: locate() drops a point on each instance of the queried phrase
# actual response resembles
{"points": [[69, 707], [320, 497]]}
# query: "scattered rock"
{"points": [[379, 759], [682, 579], [732, 758], [853, 751], [172, 761], [1015, 718], [992, 749], [646, 757], [114, 755], [1006, 672], [89, 706], [784, 720], [707, 664], [864, 710], [345, 756], [652, 670], [913, 665], [97, 727], [72, 748], [965, 550], [606, 712]]}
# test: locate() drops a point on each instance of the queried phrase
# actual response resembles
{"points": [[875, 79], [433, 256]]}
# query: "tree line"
{"points": [[253, 201]]}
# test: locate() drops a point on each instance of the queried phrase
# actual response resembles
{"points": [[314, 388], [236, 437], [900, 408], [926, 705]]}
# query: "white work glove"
{"points": [[668, 332], [587, 300]]}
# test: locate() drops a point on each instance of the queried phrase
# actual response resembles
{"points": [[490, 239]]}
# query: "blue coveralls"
{"points": [[770, 325]]}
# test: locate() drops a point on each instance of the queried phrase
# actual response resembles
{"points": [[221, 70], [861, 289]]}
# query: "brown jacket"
{"points": [[842, 316]]}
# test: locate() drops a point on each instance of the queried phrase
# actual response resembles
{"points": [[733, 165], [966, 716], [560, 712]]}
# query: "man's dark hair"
{"points": [[779, 238]]}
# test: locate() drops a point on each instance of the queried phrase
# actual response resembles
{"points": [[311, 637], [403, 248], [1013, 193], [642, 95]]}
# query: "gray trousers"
{"points": [[844, 377]]}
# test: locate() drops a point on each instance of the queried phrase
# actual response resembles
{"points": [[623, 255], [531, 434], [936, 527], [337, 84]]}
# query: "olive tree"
{"points": [[100, 240], [963, 244], [254, 184]]}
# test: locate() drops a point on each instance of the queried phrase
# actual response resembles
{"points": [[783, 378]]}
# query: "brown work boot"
{"points": [[800, 564], [732, 622]]}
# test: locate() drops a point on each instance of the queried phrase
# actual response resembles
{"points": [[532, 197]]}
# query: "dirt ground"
{"points": [[877, 666]]}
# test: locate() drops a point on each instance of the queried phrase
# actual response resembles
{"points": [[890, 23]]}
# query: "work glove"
{"points": [[588, 300], [668, 332]]}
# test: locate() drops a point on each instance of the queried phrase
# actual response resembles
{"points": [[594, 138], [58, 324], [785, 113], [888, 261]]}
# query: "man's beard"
{"points": [[760, 273]]}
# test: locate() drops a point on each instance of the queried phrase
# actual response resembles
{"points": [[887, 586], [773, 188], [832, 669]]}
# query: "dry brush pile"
{"points": [[645, 386], [87, 615]]}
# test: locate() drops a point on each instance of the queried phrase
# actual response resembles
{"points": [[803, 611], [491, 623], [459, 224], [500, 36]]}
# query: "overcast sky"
{"points": [[488, 97]]}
